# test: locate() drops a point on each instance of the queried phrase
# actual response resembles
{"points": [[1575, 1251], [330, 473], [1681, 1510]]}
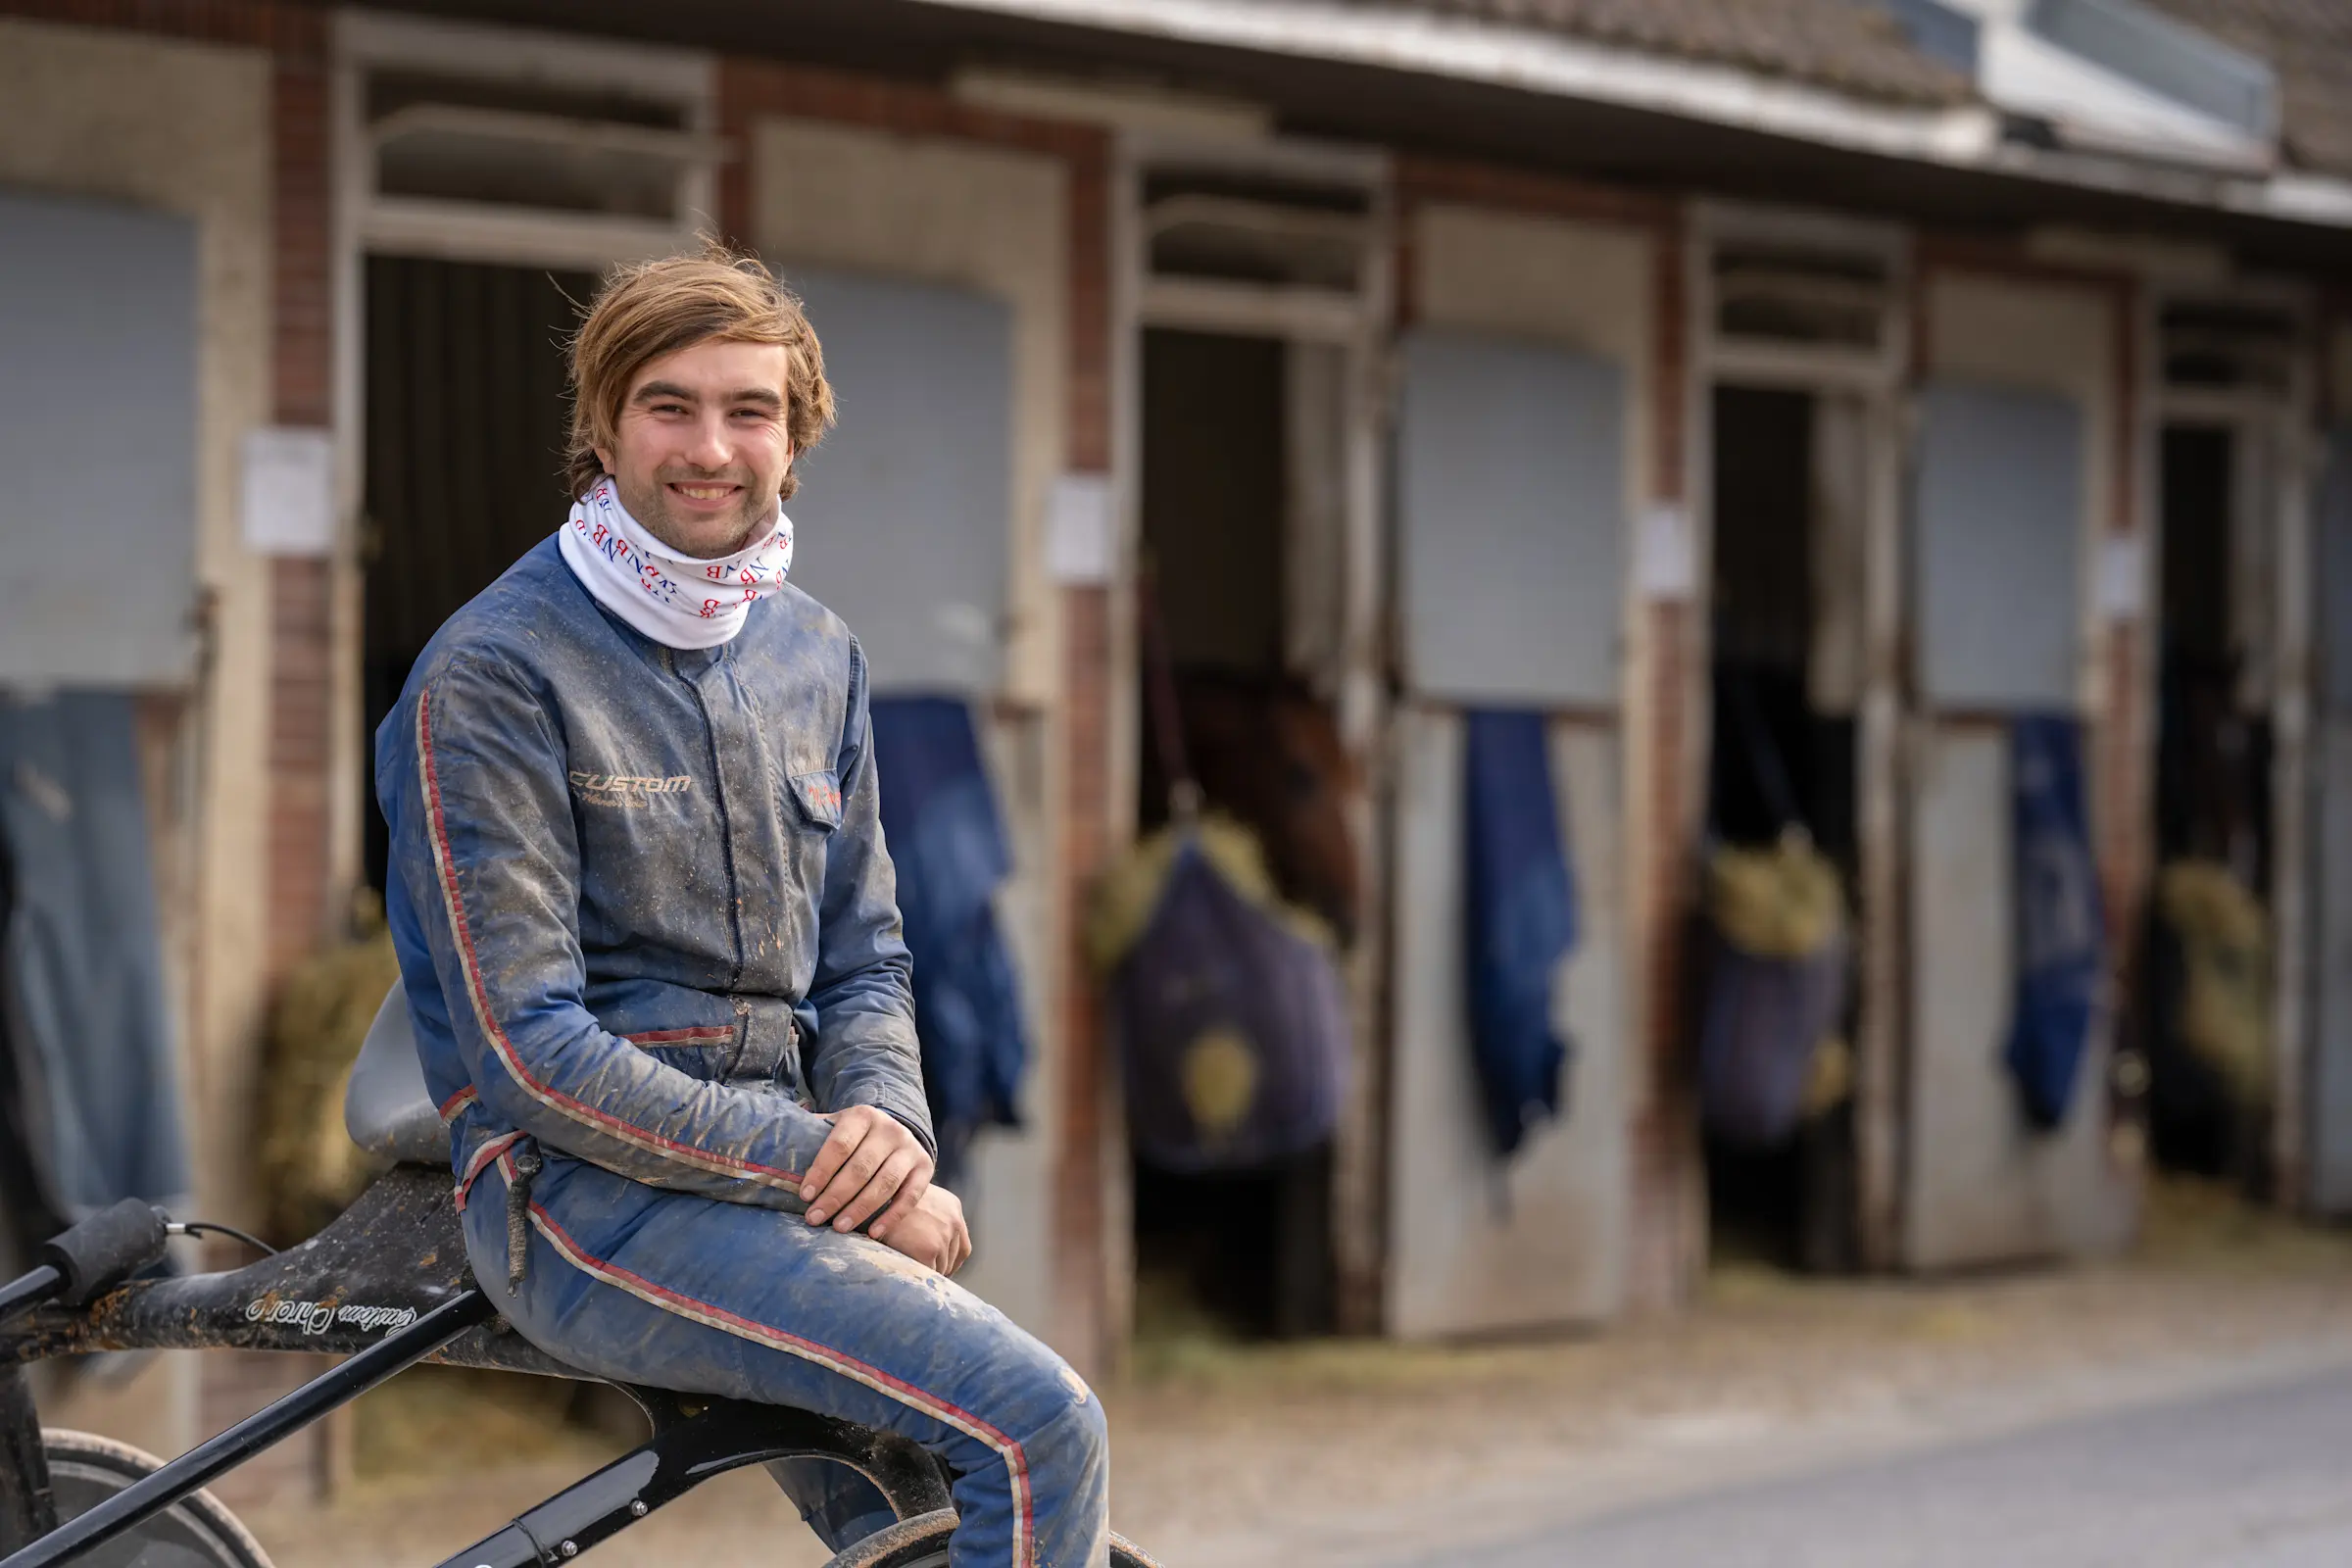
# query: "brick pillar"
{"points": [[2122, 774], [302, 652], [2123, 811], [1669, 1217], [302, 645], [1083, 1173]]}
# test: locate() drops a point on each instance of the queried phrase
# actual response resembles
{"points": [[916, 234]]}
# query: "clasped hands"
{"points": [[873, 1168]]}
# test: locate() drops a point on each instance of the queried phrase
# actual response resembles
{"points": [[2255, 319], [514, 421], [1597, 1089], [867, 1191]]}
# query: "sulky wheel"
{"points": [[194, 1533], [922, 1543]]}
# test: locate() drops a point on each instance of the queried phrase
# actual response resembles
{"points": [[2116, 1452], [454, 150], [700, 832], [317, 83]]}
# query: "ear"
{"points": [[603, 455]]}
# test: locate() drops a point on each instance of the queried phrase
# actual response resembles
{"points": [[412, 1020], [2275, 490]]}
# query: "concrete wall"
{"points": [[987, 219], [186, 127], [1982, 1186], [1475, 1245]]}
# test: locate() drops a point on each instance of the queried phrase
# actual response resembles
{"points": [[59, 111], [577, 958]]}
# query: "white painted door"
{"points": [[2000, 519], [1511, 517]]}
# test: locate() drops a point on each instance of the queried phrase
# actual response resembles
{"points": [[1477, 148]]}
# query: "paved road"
{"points": [[2258, 1477]]}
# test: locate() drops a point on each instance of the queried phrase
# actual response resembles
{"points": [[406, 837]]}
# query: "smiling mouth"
{"points": [[705, 492]]}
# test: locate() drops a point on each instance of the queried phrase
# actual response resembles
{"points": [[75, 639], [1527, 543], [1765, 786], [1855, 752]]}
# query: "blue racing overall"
{"points": [[649, 932]]}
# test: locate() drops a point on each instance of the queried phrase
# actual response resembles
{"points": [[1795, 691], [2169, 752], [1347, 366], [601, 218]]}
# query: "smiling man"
{"points": [[649, 934]]}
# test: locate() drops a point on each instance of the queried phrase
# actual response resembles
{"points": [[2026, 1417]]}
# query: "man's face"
{"points": [[701, 450]]}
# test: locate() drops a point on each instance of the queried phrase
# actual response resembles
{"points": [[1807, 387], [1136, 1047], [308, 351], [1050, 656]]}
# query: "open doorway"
{"points": [[1785, 596], [1237, 487], [2207, 977], [465, 427]]}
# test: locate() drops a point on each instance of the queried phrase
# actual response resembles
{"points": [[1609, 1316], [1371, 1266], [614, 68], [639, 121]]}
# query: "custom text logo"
{"points": [[627, 792], [317, 1317]]}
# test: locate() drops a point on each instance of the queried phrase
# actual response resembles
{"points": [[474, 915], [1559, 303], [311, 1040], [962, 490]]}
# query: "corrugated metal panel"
{"points": [[904, 515], [1999, 547], [98, 440], [1511, 485]]}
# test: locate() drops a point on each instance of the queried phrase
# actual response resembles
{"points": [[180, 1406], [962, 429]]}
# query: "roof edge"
{"points": [[1528, 60], [1968, 137]]}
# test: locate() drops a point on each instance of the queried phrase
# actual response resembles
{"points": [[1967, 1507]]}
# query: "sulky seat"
{"points": [[387, 1109]]}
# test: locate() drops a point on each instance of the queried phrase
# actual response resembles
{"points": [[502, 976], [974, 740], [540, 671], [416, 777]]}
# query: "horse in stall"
{"points": [[1267, 752]]}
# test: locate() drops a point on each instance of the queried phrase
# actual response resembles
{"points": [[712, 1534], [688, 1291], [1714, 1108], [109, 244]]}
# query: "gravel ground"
{"points": [[1353, 1453]]}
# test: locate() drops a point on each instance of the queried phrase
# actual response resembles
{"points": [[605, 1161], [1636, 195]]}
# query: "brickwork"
{"points": [[301, 627], [2125, 774], [1669, 1174], [1082, 1174]]}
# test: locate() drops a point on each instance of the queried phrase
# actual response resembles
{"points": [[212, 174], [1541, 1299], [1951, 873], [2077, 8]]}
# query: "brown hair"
{"points": [[656, 308]]}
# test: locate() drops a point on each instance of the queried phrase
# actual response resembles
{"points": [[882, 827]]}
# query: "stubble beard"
{"points": [[650, 507]]}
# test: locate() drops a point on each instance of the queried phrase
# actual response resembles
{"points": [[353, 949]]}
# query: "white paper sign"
{"points": [[2123, 576], [289, 491], [1667, 560], [1078, 530]]}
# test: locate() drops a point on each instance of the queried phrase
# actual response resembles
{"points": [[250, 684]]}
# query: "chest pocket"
{"points": [[818, 796]]}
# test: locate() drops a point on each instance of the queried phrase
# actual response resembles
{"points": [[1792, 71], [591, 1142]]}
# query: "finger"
{"points": [[840, 1144], [850, 1180], [911, 1193], [876, 1192]]}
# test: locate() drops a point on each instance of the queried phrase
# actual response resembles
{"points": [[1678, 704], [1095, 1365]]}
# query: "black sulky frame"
{"points": [[386, 1285]]}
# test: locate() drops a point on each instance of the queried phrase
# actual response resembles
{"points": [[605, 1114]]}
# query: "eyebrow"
{"points": [[670, 391]]}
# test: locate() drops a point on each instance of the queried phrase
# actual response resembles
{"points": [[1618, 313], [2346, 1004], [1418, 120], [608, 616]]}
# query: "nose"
{"points": [[709, 448]]}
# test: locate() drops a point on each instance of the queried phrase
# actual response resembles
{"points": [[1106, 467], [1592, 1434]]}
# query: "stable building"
{"points": [[1816, 396]]}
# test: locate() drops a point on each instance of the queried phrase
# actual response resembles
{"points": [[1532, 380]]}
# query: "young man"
{"points": [[649, 934]]}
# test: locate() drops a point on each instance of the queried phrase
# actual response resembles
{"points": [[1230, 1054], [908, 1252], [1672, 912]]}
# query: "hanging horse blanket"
{"points": [[947, 842], [1232, 1024], [2061, 928], [84, 984], [1776, 987], [1521, 920]]}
